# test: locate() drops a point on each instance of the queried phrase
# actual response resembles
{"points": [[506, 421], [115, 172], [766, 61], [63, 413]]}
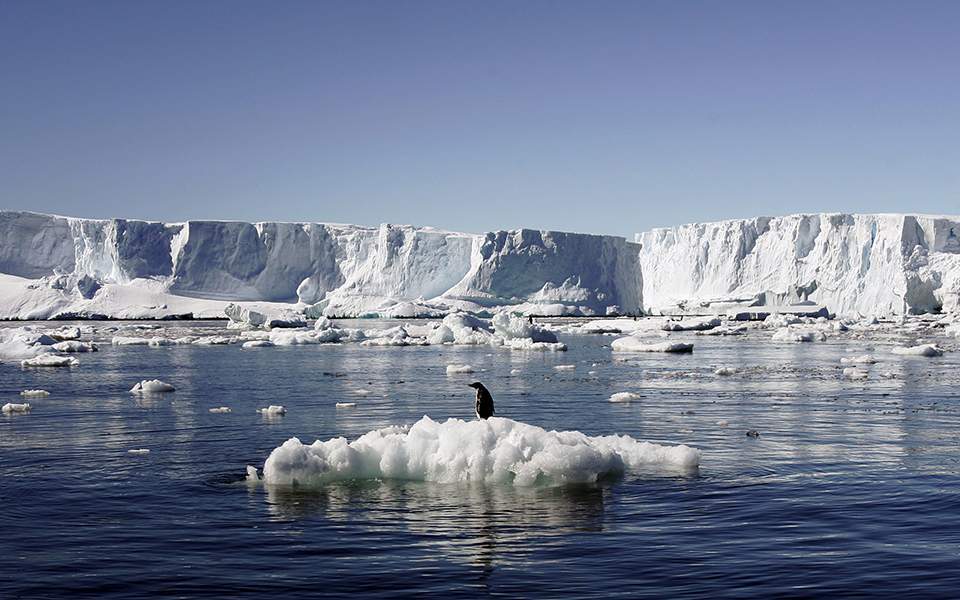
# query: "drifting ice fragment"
{"points": [[152, 386], [496, 450], [13, 408], [139, 451], [50, 360], [634, 344], [272, 410], [454, 369], [221, 410], [928, 350], [34, 393], [624, 397]]}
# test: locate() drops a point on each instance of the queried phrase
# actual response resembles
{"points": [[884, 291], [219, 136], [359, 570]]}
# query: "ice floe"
{"points": [[220, 410], [11, 408], [272, 410], [635, 344], [624, 397], [496, 450], [34, 393], [456, 369], [928, 350], [152, 386], [50, 360]]}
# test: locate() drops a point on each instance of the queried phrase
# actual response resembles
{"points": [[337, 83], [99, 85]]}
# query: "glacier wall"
{"points": [[853, 264], [345, 270]]}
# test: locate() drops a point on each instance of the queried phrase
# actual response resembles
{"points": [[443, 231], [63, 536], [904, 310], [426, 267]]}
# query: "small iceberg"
{"points": [[496, 450], [50, 360], [34, 393], [11, 408], [152, 386]]}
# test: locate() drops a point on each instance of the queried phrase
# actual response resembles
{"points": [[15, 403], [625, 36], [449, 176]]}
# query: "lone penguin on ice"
{"points": [[484, 401]]}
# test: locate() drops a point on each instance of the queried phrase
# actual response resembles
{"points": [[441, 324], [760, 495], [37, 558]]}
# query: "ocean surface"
{"points": [[851, 489]]}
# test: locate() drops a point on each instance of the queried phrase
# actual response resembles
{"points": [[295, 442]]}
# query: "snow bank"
{"points": [[496, 450], [635, 344], [11, 408], [152, 386]]}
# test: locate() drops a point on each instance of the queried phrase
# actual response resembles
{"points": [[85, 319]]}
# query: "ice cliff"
{"points": [[60, 266], [54, 266], [868, 264]]}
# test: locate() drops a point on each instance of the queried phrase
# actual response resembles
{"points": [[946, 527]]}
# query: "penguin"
{"points": [[484, 401]]}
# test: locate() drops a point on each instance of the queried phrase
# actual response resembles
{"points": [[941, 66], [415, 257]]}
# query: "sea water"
{"points": [[849, 487]]}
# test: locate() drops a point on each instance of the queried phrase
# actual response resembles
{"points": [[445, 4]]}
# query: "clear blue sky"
{"points": [[606, 117]]}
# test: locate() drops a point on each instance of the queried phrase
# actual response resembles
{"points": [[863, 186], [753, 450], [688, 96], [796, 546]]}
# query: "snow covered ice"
{"points": [[635, 344], [624, 397], [34, 393], [496, 450], [152, 386], [50, 360], [11, 408]]}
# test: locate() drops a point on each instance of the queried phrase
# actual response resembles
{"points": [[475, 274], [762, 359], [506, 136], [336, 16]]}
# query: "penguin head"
{"points": [[476, 385]]}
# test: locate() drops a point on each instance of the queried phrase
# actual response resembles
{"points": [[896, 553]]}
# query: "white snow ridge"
{"points": [[496, 450]]}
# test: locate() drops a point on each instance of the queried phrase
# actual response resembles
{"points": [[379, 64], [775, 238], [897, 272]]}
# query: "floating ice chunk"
{"points": [[74, 346], [122, 340], [864, 359], [723, 423], [65, 333], [701, 324], [322, 323], [564, 367], [252, 475], [528, 344], [635, 344], [34, 393], [215, 340], [11, 408], [346, 404], [461, 329], [152, 386], [725, 330], [928, 350], [624, 397], [258, 344], [510, 327], [779, 321], [272, 410], [725, 371], [50, 360], [787, 334], [454, 369], [139, 451], [855, 373], [515, 371], [221, 410], [496, 450], [361, 392]]}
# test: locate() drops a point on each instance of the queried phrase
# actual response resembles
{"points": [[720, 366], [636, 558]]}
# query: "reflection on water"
{"points": [[475, 524]]}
